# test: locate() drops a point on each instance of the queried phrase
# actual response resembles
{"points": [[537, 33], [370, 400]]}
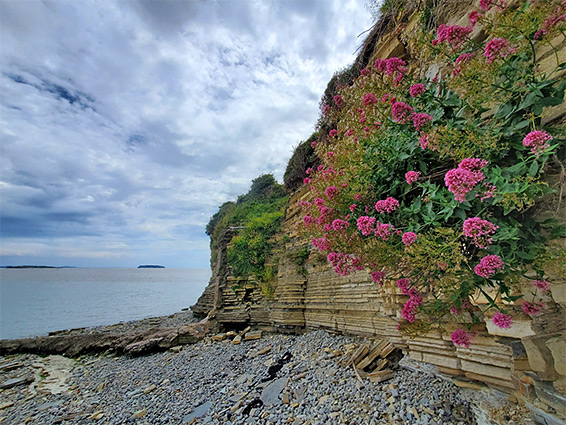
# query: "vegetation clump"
{"points": [[433, 181]]}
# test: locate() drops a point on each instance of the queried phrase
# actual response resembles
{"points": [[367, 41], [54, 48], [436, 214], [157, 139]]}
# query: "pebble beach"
{"points": [[278, 379]]}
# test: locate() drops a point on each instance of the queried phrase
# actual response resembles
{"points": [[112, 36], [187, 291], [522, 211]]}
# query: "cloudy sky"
{"points": [[125, 124]]}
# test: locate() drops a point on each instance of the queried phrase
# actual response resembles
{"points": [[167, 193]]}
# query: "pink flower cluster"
{"points": [[542, 285], [339, 100], [339, 224], [331, 191], [306, 180], [479, 230], [420, 120], [369, 99], [401, 112], [536, 140], [412, 176], [532, 309], [344, 264], [309, 221], [423, 141], [321, 244], [461, 338], [333, 133], [463, 179], [378, 277], [552, 21], [498, 48], [394, 67], [383, 230], [460, 60], [414, 301], [489, 265], [409, 238], [417, 89], [366, 225], [474, 16], [388, 205], [501, 320], [452, 34], [365, 72]]}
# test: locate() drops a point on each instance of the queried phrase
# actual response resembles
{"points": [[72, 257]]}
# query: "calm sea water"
{"points": [[36, 301]]}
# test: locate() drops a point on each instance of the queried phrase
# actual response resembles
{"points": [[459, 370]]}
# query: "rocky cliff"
{"points": [[527, 360]]}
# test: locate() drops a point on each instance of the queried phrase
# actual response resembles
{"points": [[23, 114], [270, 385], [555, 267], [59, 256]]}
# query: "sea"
{"points": [[36, 301]]}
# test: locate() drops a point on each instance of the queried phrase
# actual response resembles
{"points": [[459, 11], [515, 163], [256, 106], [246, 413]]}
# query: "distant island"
{"points": [[150, 266], [37, 267]]}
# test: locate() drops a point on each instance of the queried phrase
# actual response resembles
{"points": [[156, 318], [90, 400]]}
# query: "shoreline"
{"points": [[275, 380]]}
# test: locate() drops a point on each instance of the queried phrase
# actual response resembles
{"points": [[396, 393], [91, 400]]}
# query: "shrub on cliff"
{"points": [[432, 183], [303, 157]]}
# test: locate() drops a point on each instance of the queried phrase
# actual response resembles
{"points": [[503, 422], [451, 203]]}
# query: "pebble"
{"points": [[217, 383]]}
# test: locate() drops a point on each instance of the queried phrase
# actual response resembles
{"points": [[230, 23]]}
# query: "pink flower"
{"points": [[473, 164], [412, 176], [365, 72], [497, 48], [325, 109], [409, 238], [404, 285], [460, 60], [313, 144], [543, 285], [366, 225], [339, 224], [306, 180], [423, 141], [388, 205], [479, 230], [452, 34], [393, 65], [473, 16], [308, 171], [417, 89], [489, 265], [352, 207], [410, 308], [420, 120], [331, 192], [319, 202], [488, 192], [463, 179], [309, 221], [369, 99], [321, 244], [532, 309], [350, 132], [486, 4], [333, 133], [501, 320], [339, 100], [383, 230], [378, 277], [358, 196], [461, 338], [401, 112], [536, 140]]}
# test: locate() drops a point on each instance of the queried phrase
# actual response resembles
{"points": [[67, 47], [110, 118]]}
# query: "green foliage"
{"points": [[299, 258], [481, 109], [251, 248], [259, 212], [303, 157]]}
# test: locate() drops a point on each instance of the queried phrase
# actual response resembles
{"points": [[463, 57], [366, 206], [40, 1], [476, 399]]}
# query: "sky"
{"points": [[125, 124]]}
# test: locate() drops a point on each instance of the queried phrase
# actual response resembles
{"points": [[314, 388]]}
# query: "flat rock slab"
{"points": [[270, 394], [199, 412], [14, 382]]}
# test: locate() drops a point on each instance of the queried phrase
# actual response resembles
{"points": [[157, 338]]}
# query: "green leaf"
{"points": [[533, 169]]}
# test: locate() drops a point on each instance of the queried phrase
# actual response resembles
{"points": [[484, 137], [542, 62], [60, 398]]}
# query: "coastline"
{"points": [[276, 379]]}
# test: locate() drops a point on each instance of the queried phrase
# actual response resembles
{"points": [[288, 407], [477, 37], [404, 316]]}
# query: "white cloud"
{"points": [[125, 124]]}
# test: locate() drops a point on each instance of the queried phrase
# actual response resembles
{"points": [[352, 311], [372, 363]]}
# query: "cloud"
{"points": [[126, 124]]}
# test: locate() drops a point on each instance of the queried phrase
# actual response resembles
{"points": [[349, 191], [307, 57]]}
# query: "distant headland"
{"points": [[150, 266], [37, 267]]}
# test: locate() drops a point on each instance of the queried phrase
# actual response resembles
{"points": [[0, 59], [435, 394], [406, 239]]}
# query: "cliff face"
{"points": [[527, 360]]}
